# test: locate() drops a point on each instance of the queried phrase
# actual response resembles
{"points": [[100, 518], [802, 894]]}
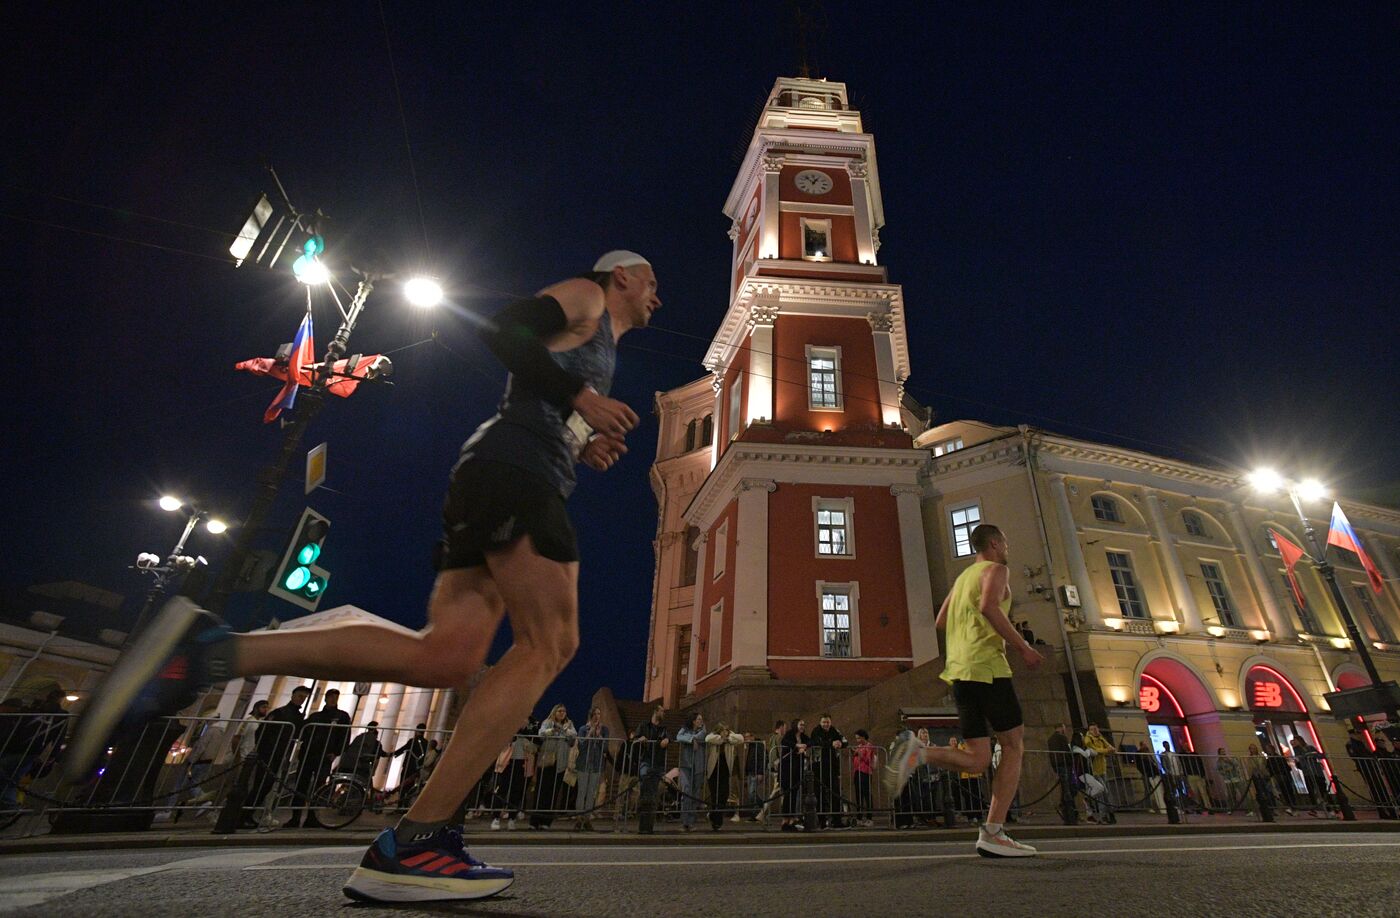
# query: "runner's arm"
{"points": [[941, 622]]}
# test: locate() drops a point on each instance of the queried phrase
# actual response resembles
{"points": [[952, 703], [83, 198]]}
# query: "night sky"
{"points": [[1171, 227]]}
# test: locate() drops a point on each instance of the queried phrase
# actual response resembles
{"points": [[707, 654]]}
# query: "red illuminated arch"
{"points": [[1268, 675], [1163, 691]]}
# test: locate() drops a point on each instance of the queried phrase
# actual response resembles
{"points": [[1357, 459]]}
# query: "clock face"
{"points": [[812, 181]]}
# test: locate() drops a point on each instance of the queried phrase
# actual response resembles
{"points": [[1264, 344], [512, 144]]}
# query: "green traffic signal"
{"points": [[297, 578], [308, 553]]}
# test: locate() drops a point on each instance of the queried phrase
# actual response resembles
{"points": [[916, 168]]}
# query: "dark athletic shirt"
{"points": [[529, 432]]}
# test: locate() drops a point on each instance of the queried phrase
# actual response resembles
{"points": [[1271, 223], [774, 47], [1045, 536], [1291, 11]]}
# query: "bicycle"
{"points": [[346, 795]]}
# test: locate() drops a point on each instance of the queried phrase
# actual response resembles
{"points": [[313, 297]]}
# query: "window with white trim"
{"points": [[692, 556], [721, 548], [838, 618], [947, 446], [736, 406], [833, 522], [1306, 622], [1363, 599], [816, 239], [963, 520], [1125, 584], [1194, 524], [716, 636], [1220, 594], [824, 378], [1105, 509]]}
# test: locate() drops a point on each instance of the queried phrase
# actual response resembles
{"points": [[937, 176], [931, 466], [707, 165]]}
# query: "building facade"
{"points": [[1163, 584], [790, 556]]}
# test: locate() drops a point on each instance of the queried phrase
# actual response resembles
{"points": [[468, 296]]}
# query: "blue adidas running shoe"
{"points": [[437, 868]]}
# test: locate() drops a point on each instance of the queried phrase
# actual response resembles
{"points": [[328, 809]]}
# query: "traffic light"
{"points": [[299, 579], [308, 268]]}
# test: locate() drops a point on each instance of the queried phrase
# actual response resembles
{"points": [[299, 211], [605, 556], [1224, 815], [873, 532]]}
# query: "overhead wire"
{"points": [[115, 238], [403, 122]]}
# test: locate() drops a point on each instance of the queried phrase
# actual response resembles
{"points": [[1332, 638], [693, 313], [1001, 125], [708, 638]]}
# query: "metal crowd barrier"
{"points": [[188, 768]]}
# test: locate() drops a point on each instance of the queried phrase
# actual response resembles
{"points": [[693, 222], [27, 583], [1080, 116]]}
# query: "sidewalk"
{"points": [[1129, 824]]}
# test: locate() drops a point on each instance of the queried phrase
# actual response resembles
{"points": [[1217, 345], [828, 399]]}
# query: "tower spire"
{"points": [[809, 24]]}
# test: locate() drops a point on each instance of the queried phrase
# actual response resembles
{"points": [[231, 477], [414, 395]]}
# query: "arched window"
{"points": [[692, 556], [690, 436], [1194, 524], [707, 430], [1106, 509]]}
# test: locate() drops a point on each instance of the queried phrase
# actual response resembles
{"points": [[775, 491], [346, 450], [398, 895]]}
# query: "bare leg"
{"points": [[463, 614], [1008, 774], [972, 760], [541, 596]]}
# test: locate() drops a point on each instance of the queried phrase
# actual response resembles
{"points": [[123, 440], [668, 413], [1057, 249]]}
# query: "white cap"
{"points": [[619, 258]]}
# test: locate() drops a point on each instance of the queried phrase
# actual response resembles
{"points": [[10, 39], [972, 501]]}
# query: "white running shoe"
{"points": [[496, 824], [1001, 845], [510, 826], [903, 761]]}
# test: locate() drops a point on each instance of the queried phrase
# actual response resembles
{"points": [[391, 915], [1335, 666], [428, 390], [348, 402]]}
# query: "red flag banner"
{"points": [[1291, 553], [1341, 534]]}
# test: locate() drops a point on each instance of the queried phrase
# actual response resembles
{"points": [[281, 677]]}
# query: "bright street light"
{"points": [[1311, 489], [1266, 481], [314, 274], [216, 526], [423, 291], [170, 504]]}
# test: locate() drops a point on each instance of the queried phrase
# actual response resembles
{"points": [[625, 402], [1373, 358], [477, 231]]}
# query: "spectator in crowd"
{"points": [[1367, 765], [652, 740], [1232, 776], [1099, 749], [592, 749], [862, 771], [323, 738], [792, 748], [1145, 761], [1257, 765], [1309, 762], [722, 760], [31, 731], [511, 772], [1282, 773], [274, 747], [825, 756], [207, 739], [1388, 765], [691, 739], [362, 754], [414, 751], [773, 749], [755, 775], [929, 783], [1174, 771], [1062, 761], [557, 735]]}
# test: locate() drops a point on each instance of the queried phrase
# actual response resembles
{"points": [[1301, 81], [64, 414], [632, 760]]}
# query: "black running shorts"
{"points": [[983, 703], [490, 505]]}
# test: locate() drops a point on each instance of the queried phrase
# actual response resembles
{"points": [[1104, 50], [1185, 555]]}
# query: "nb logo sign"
{"points": [[1268, 695], [1150, 699]]}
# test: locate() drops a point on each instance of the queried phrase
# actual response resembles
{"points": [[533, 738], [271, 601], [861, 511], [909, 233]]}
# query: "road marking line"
{"points": [[859, 859]]}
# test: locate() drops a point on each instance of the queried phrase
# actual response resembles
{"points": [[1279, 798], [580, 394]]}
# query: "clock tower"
{"points": [[791, 566]]}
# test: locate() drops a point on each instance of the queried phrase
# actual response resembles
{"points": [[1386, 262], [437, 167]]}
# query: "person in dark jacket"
{"points": [[827, 743], [414, 751], [792, 765], [274, 748], [323, 738], [1062, 761]]}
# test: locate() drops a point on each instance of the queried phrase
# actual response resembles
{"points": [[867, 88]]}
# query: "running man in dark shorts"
{"points": [[978, 631], [507, 549]]}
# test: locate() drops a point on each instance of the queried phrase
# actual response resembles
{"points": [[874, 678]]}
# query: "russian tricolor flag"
{"points": [[303, 354], [1340, 534]]}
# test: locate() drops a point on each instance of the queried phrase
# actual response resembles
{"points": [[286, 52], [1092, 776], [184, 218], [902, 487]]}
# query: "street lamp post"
{"points": [[1268, 481], [177, 563]]}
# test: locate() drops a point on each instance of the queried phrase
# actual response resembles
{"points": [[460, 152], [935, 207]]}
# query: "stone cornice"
{"points": [[764, 462], [805, 296]]}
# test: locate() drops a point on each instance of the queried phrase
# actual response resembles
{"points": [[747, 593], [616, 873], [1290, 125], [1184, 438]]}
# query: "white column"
{"points": [[389, 734], [860, 198], [750, 644], [1166, 542], [1074, 555], [263, 690], [1280, 624], [881, 326], [760, 404], [440, 722], [918, 594], [716, 383], [768, 240], [697, 599], [228, 701]]}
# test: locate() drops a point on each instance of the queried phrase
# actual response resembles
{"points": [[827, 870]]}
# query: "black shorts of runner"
{"points": [[490, 505], [984, 703]]}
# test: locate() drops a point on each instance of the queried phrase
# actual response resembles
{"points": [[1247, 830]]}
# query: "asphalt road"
{"points": [[1293, 875]]}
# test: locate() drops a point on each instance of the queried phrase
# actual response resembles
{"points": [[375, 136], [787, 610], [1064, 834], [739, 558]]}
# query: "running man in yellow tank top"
{"points": [[974, 650]]}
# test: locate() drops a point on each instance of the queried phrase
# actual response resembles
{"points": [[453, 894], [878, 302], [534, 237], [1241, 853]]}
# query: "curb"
{"points": [[151, 840]]}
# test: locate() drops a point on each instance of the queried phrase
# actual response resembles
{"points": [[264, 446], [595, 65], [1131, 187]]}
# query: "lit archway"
{"points": [[1178, 707], [1279, 710]]}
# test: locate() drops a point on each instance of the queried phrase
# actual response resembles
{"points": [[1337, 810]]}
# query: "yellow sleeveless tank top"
{"points": [[973, 651]]}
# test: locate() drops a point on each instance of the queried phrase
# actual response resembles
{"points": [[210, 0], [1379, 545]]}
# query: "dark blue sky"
{"points": [[1170, 226]]}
